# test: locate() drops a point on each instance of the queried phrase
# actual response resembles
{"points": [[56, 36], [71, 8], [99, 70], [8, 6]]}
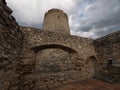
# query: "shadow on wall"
{"points": [[38, 48]]}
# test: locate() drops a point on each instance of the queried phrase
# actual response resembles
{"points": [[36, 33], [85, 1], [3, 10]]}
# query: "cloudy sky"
{"points": [[87, 18]]}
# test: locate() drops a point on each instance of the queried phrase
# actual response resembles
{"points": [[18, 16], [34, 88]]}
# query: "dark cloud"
{"points": [[87, 18], [99, 18]]}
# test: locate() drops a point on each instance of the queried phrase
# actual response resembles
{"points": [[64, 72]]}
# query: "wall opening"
{"points": [[91, 64]]}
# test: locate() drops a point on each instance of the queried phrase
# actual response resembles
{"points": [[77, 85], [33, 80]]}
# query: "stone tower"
{"points": [[55, 20]]}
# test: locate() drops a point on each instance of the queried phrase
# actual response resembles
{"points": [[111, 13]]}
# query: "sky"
{"points": [[87, 18]]}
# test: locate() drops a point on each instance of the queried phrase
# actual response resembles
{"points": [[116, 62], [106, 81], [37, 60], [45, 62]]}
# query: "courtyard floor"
{"points": [[91, 84]]}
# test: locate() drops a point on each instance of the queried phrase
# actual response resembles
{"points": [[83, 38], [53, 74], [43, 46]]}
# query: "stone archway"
{"points": [[54, 58]]}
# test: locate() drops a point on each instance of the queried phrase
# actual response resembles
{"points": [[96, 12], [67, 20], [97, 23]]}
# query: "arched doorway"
{"points": [[91, 65]]}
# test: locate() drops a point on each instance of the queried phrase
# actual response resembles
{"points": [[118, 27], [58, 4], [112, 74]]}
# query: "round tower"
{"points": [[55, 20]]}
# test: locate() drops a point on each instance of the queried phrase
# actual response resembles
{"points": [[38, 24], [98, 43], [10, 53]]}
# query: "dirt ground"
{"points": [[90, 84]]}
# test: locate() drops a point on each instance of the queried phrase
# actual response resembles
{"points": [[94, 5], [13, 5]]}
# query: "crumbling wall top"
{"points": [[56, 10], [3, 2]]}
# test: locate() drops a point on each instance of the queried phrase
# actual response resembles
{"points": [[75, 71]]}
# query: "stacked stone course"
{"points": [[10, 48]]}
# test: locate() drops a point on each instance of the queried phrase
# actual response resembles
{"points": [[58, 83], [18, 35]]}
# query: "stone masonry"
{"points": [[43, 59], [55, 60], [10, 49], [56, 20], [108, 48], [107, 51]]}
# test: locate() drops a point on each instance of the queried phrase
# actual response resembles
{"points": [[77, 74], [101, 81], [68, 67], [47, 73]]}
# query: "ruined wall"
{"points": [[10, 45], [108, 53], [55, 20], [50, 59], [32, 59], [108, 48]]}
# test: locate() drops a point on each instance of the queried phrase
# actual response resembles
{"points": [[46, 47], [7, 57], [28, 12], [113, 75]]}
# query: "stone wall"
{"points": [[10, 45], [50, 59], [108, 53], [108, 48]]}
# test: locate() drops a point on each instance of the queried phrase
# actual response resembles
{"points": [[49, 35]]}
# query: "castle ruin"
{"points": [[43, 59]]}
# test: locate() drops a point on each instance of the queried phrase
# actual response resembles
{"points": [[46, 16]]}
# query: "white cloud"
{"points": [[31, 12], [83, 14]]}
